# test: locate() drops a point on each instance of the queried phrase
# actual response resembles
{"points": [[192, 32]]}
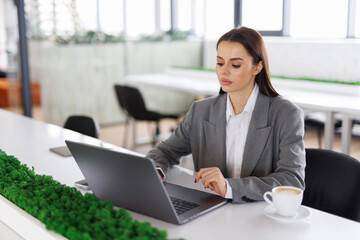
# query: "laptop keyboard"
{"points": [[182, 206]]}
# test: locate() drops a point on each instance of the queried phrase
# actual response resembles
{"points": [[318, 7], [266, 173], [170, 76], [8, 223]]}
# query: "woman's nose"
{"points": [[226, 70]]}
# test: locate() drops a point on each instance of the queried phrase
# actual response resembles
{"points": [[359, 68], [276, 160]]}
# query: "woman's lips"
{"points": [[225, 81]]}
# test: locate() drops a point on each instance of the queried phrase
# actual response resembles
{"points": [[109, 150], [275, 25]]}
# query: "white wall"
{"points": [[79, 79], [331, 59], [323, 59], [156, 57], [76, 80]]}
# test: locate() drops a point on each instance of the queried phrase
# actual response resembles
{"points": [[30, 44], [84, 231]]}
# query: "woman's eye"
{"points": [[236, 66], [220, 64]]}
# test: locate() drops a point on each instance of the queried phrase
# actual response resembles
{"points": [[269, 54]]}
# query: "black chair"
{"points": [[2, 74], [83, 124], [314, 121], [132, 103], [332, 183]]}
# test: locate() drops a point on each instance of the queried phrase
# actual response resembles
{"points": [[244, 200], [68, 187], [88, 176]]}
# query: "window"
{"points": [[111, 16], [318, 19], [199, 18], [262, 15], [140, 18], [189, 16], [65, 17], [357, 19], [64, 24], [87, 14], [204, 18], [184, 15], [165, 18], [219, 18]]}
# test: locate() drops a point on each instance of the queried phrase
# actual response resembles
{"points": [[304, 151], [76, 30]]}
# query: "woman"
{"points": [[246, 140]]}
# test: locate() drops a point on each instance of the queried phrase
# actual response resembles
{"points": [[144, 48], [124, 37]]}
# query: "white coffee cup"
{"points": [[285, 199]]}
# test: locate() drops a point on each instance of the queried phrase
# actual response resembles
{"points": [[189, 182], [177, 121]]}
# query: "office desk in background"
{"points": [[29, 140], [200, 84]]}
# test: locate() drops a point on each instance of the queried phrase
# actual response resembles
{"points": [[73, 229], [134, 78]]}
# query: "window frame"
{"points": [[351, 18], [238, 10], [238, 13]]}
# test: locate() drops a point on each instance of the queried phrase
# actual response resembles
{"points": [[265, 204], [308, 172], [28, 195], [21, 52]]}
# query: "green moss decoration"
{"points": [[65, 210]]}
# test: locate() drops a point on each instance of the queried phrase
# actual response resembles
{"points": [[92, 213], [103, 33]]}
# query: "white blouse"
{"points": [[236, 132]]}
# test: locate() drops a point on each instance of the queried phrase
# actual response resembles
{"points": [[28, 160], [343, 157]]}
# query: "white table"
{"points": [[30, 140], [207, 85]]}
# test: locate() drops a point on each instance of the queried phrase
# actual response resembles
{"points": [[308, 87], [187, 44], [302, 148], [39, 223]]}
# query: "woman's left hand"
{"points": [[212, 178]]}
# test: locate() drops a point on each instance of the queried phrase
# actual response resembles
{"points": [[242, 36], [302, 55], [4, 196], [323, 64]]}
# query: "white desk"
{"points": [[29, 140], [207, 85]]}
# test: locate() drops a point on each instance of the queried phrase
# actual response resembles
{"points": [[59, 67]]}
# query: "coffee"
{"points": [[288, 191], [285, 199]]}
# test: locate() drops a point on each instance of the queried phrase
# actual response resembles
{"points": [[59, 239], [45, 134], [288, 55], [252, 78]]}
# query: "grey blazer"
{"points": [[274, 151]]}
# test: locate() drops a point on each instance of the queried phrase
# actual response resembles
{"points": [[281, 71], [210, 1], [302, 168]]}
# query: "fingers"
{"points": [[212, 178], [206, 171], [200, 173]]}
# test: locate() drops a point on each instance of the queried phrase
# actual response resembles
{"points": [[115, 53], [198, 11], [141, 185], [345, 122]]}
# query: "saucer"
{"points": [[302, 214]]}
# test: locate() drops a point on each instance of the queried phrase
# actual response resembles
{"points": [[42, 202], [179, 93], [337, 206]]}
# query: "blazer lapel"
{"points": [[257, 136], [215, 135]]}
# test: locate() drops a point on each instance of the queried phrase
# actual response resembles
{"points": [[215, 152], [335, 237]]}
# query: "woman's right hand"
{"points": [[212, 178]]}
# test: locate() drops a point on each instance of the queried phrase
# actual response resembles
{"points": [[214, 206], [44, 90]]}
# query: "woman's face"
{"points": [[235, 69]]}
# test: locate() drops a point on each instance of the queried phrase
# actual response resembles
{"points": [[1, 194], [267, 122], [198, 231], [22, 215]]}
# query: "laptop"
{"points": [[131, 181]]}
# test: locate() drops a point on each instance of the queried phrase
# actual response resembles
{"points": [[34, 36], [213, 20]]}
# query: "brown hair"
{"points": [[255, 46]]}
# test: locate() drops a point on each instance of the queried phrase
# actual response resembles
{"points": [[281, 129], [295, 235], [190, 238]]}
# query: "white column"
{"points": [[98, 25], [124, 19], [157, 16], [351, 18], [329, 130], [286, 17], [193, 16], [175, 16], [346, 134], [54, 17]]}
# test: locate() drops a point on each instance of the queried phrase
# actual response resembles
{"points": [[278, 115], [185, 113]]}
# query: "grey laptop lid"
{"points": [[131, 182]]}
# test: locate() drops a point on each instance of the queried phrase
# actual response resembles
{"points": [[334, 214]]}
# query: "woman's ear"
{"points": [[258, 68]]}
